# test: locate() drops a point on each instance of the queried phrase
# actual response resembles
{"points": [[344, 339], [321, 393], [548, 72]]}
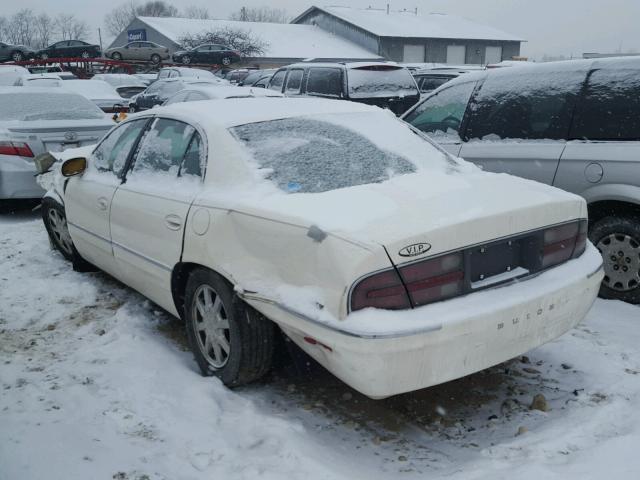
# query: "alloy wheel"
{"points": [[226, 61], [116, 56], [17, 56], [621, 254], [85, 55], [186, 60], [211, 324], [60, 231], [44, 56]]}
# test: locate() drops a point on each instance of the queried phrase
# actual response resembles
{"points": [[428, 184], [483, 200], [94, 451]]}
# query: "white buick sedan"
{"points": [[391, 263]]}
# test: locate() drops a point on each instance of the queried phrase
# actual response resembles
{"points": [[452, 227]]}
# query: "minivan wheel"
{"points": [[618, 240], [229, 339]]}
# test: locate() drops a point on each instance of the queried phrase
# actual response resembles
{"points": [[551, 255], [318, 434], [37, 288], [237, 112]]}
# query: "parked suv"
{"points": [[574, 125], [386, 85]]}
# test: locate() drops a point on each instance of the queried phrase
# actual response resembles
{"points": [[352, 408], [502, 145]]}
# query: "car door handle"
{"points": [[103, 203], [173, 222]]}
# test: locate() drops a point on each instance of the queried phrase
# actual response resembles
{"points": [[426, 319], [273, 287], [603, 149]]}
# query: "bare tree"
{"points": [[244, 41], [194, 11], [156, 8], [44, 26], [20, 29], [4, 23], [261, 14], [119, 18], [70, 28]]}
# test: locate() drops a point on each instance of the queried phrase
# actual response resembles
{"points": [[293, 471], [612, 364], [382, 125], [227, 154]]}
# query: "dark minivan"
{"points": [[574, 125], [386, 85]]}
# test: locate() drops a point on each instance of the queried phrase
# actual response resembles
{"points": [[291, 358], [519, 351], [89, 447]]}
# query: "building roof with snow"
{"points": [[411, 24]]}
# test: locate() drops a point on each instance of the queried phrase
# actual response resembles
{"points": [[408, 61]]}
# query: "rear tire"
{"points": [[186, 60], [229, 339], [226, 61], [17, 56], [155, 58], [85, 54], [618, 240], [44, 56], [55, 221], [116, 56]]}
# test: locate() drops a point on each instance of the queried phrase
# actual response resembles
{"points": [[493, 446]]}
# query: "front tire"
{"points": [[85, 54], [44, 56], [17, 56], [116, 56], [186, 60], [229, 339], [155, 58], [55, 221], [226, 61], [618, 240]]}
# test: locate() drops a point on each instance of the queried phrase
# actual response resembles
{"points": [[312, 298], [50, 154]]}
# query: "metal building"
{"points": [[407, 36]]}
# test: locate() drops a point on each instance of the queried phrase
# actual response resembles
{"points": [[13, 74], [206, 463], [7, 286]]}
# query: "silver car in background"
{"points": [[35, 121], [141, 50], [574, 125]]}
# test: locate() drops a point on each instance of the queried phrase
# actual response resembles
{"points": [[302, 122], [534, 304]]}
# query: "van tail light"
{"points": [[563, 243], [381, 290], [15, 148], [433, 280]]}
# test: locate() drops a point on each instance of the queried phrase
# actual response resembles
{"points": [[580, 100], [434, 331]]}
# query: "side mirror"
{"points": [[43, 162], [74, 166]]}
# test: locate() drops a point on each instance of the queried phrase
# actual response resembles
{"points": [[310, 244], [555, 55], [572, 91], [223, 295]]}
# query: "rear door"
{"points": [[605, 134], [149, 210], [88, 197], [519, 121], [440, 116]]}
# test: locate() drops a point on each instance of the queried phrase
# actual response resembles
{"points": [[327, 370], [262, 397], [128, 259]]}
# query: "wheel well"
{"points": [[179, 278], [599, 210]]}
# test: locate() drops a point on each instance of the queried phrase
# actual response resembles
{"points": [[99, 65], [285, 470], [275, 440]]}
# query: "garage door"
{"points": [[456, 54], [493, 55], [413, 54]]}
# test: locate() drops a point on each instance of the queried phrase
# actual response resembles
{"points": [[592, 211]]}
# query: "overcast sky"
{"points": [[553, 27]]}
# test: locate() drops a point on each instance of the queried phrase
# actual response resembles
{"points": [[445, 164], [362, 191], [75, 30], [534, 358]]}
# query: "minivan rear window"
{"points": [[380, 81]]}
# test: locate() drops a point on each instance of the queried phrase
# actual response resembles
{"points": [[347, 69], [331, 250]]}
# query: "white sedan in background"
{"points": [[391, 263], [214, 92]]}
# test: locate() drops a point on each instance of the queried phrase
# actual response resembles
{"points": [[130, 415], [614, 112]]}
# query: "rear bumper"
{"points": [[17, 178], [448, 340]]}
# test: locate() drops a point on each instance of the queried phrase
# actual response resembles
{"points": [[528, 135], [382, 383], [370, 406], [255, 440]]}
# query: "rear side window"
{"points": [[527, 105], [380, 81], [294, 81], [610, 108], [164, 146], [441, 114], [277, 80], [428, 84], [325, 81]]}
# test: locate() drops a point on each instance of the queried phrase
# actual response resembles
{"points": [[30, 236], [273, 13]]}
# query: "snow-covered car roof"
{"points": [[119, 79], [233, 112], [92, 89], [227, 91]]}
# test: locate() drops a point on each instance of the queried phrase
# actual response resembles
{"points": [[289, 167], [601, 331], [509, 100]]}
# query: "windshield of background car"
{"points": [[47, 106], [328, 152], [380, 81]]}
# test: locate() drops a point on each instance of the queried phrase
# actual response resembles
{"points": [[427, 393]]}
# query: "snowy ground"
{"points": [[95, 383]]}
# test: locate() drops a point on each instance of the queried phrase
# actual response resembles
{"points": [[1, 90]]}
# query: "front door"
{"points": [[149, 211], [88, 197]]}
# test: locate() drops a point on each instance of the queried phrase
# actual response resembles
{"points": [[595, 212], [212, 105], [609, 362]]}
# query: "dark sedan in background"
{"points": [[70, 48], [15, 53], [159, 91], [208, 53]]}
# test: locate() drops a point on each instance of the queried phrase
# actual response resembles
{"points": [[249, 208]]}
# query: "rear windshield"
{"points": [[47, 106], [380, 81]]}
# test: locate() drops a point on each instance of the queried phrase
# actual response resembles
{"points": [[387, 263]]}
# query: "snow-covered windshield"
{"points": [[328, 152], [47, 106], [380, 81]]}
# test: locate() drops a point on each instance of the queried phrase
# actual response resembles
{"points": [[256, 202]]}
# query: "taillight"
{"points": [[433, 280], [564, 242], [381, 290], [15, 148]]}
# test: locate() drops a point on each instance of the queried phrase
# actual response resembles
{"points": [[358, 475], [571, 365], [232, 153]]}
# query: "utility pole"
{"points": [[100, 37]]}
